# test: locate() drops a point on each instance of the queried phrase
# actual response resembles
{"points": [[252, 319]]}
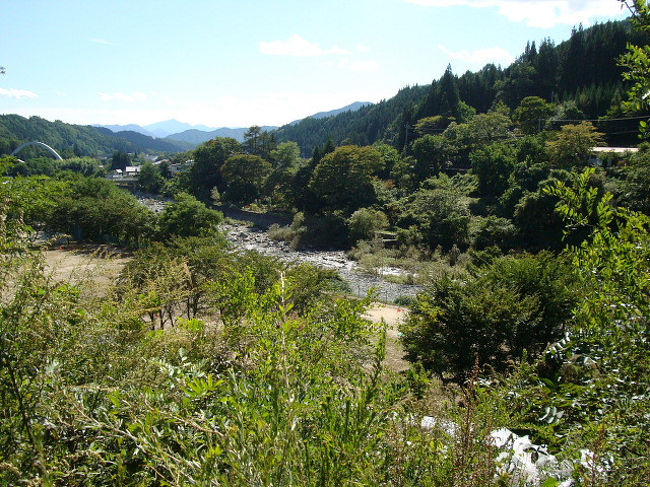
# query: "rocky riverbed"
{"points": [[360, 282], [245, 237]]}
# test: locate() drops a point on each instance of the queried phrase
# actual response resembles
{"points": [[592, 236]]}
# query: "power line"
{"points": [[597, 120]]}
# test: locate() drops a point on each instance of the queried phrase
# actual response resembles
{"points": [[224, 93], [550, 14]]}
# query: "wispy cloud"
{"points": [[538, 13], [126, 97], [18, 94], [298, 46], [101, 41], [480, 57]]}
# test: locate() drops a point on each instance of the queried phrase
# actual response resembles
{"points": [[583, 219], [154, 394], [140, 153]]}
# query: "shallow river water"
{"points": [[360, 282]]}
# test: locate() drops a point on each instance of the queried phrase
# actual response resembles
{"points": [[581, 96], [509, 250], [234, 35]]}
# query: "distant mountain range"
{"points": [[352, 107], [194, 136], [158, 129], [174, 131], [70, 140]]}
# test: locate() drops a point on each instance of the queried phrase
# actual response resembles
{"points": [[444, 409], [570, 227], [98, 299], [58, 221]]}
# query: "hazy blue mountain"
{"points": [[197, 137], [169, 127], [352, 107], [122, 128], [144, 141]]}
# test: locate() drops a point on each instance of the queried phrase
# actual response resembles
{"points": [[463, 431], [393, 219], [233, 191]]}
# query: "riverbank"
{"points": [[360, 282], [243, 236]]}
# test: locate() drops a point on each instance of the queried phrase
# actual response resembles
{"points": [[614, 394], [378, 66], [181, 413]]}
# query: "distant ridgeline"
{"points": [[582, 69], [581, 73], [76, 140]]}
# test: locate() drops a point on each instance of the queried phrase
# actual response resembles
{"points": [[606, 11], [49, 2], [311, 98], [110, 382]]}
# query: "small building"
{"points": [[597, 154], [131, 171], [613, 150]]}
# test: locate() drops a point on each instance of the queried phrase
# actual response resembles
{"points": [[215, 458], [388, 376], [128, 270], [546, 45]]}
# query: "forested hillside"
{"points": [[580, 73], [77, 140], [174, 355]]}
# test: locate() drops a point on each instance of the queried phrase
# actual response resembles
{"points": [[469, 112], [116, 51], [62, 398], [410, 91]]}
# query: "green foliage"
{"points": [[479, 131], [494, 231], [538, 225], [149, 178], [186, 217], [511, 306], [286, 155], [596, 377], [120, 160], [531, 114], [433, 154], [259, 142], [284, 394], [205, 173], [432, 125], [85, 208], [434, 217], [208, 159], [633, 189], [493, 165], [636, 62], [327, 230], [244, 176], [343, 179], [572, 145], [364, 223]]}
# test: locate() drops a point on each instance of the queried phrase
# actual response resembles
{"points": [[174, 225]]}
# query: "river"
{"points": [[360, 282], [255, 238]]}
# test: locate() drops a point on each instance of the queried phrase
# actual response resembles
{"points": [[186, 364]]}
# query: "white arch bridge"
{"points": [[40, 144]]}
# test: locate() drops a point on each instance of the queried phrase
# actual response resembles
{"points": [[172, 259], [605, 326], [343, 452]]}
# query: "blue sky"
{"points": [[265, 62]]}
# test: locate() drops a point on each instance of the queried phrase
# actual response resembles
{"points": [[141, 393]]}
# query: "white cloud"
{"points": [[479, 58], [102, 41], [538, 13], [126, 97], [299, 47], [18, 94]]}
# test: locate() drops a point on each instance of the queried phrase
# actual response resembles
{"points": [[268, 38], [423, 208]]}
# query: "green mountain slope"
{"points": [[69, 139], [582, 69]]}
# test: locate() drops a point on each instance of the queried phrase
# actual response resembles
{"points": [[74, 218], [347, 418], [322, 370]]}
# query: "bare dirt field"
{"points": [[93, 267], [96, 267], [393, 316]]}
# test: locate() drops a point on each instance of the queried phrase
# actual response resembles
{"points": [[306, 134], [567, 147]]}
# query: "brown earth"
{"points": [[95, 268], [393, 316]]}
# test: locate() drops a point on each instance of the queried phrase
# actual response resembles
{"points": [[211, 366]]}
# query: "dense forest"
{"points": [[199, 363], [580, 75], [76, 140]]}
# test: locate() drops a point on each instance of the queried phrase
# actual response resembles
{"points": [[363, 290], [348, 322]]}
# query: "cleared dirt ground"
{"points": [[95, 268], [393, 316], [92, 267]]}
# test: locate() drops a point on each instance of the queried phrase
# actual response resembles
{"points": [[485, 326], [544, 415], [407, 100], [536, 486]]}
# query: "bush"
{"points": [[403, 300], [187, 217], [511, 305], [364, 222], [495, 231]]}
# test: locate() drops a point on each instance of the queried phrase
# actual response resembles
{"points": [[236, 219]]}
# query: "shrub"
{"points": [[511, 305], [364, 222], [495, 231]]}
